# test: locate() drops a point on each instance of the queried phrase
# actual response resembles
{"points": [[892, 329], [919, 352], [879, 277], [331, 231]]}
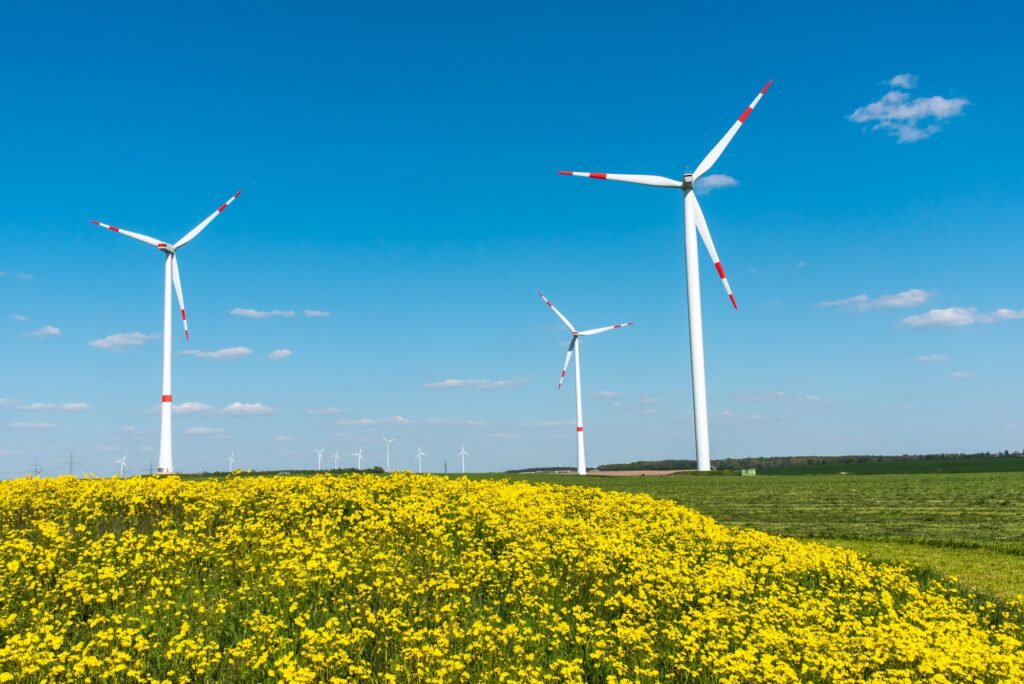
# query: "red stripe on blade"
{"points": [[744, 115], [721, 273], [222, 207], [565, 173], [766, 86], [602, 176], [733, 300], [165, 398]]}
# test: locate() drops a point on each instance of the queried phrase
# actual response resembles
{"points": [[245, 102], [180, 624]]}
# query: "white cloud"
{"points": [[714, 181], [256, 313], [227, 353], [39, 406], [932, 358], [191, 407], [33, 426], [908, 119], [326, 411], [19, 317], [119, 341], [7, 452], [313, 313], [387, 420], [608, 394], [549, 424], [480, 383], [780, 397], [900, 300], [75, 406], [47, 331], [239, 409], [906, 81], [279, 354], [204, 431], [7, 402], [955, 316], [283, 438], [651, 400], [961, 375]]}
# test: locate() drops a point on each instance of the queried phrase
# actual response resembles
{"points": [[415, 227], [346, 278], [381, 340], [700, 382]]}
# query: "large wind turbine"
{"points": [[359, 458], [319, 457], [336, 457], [387, 452], [574, 345], [693, 222], [420, 453], [463, 454], [165, 464], [231, 462], [121, 462]]}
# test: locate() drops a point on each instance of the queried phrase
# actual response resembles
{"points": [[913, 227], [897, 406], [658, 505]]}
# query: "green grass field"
{"points": [[967, 525]]}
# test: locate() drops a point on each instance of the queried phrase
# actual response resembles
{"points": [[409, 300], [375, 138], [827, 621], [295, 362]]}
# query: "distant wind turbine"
{"points": [[359, 458], [463, 454], [693, 222], [121, 462], [336, 459], [574, 345], [387, 452], [166, 461], [231, 462], [420, 453], [319, 457]]}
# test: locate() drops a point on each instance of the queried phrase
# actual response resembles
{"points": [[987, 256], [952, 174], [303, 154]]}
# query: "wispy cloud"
{"points": [[239, 409], [932, 358], [228, 353], [46, 331], [608, 394], [961, 375], [191, 407], [282, 438], [325, 411], [68, 408], [33, 426], [256, 313], [900, 300], [204, 431], [956, 316], [279, 354], [313, 313], [387, 420], [119, 341], [712, 182], [479, 383], [908, 119], [780, 397], [20, 318]]}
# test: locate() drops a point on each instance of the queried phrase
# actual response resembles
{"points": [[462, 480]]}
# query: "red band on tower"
{"points": [[165, 398]]}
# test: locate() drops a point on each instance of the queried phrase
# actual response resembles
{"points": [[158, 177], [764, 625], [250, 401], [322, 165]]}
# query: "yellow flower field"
{"points": [[409, 578]]}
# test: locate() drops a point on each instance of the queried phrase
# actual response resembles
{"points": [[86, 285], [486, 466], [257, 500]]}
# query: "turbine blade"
{"points": [[568, 358], [702, 227], [138, 236], [198, 229], [598, 331], [656, 181], [176, 278], [557, 312], [717, 150]]}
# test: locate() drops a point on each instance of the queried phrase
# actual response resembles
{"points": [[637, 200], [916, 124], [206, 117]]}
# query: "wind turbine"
{"points": [[121, 462], [574, 345], [420, 453], [359, 458], [463, 454], [387, 455], [231, 462], [319, 456], [165, 464], [336, 459], [693, 222]]}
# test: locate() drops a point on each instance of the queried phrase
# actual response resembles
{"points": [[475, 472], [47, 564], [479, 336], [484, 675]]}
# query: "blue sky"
{"points": [[398, 165]]}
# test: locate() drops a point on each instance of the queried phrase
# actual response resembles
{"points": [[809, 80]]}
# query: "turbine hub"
{"points": [[687, 181]]}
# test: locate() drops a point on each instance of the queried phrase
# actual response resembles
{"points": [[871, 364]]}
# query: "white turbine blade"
{"points": [[557, 312], [702, 227], [639, 179], [176, 278], [198, 229], [598, 331], [717, 150], [138, 236], [568, 358]]}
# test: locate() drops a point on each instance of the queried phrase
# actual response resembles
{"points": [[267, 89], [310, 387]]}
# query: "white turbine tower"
{"points": [[319, 456], [574, 345], [231, 462], [359, 458], [121, 463], [387, 452], [420, 453], [336, 457], [165, 464], [463, 454], [693, 222]]}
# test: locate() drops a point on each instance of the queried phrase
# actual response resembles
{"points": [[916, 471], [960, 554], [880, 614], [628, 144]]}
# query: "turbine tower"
{"points": [[336, 459], [463, 454], [420, 453], [359, 458], [387, 452], [693, 222], [165, 464], [574, 345], [319, 456], [231, 462], [121, 463]]}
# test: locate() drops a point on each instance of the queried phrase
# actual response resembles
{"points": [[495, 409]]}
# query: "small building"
{"points": [[748, 472]]}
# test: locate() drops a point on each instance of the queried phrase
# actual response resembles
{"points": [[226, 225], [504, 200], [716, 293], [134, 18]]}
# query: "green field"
{"points": [[966, 525]]}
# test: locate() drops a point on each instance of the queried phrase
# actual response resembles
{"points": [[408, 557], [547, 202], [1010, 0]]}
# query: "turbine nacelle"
{"points": [[688, 181]]}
